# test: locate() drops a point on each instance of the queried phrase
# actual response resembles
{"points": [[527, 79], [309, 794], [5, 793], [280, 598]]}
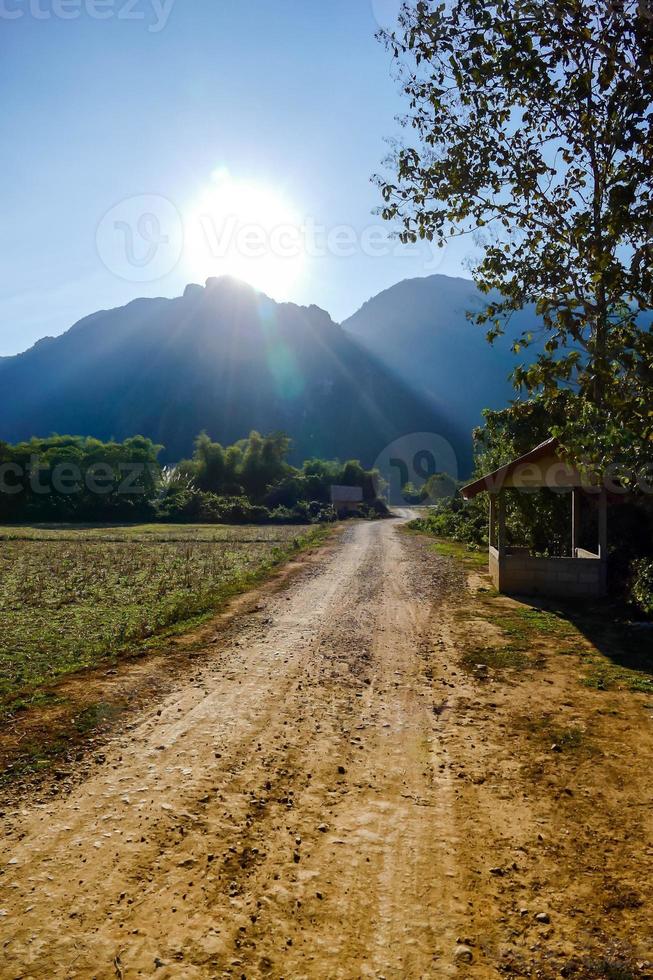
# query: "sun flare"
{"points": [[244, 229]]}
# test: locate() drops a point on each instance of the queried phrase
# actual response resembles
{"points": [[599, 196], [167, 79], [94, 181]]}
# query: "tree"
{"points": [[264, 462], [249, 466], [209, 468], [78, 478], [534, 124]]}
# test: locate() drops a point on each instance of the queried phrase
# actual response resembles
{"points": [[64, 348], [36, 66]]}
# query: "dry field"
{"points": [[72, 597]]}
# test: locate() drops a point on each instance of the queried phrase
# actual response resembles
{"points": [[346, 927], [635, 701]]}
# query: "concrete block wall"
{"points": [[556, 577], [494, 567]]}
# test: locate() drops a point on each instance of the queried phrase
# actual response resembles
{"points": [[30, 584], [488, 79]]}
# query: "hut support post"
{"points": [[603, 541], [501, 546], [493, 519], [575, 520], [603, 526]]}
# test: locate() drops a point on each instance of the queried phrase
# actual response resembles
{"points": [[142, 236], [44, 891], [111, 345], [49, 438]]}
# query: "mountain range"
{"points": [[226, 358], [420, 329]]}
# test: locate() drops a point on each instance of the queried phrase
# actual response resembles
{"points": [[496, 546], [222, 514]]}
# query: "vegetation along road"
{"points": [[378, 768]]}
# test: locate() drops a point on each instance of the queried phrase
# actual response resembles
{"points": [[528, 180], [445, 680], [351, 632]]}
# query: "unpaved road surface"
{"points": [[328, 796]]}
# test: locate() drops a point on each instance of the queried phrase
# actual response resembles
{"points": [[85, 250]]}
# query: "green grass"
{"points": [[71, 598], [625, 664], [498, 658], [603, 674], [522, 622], [94, 715], [454, 549], [448, 548], [523, 625], [568, 738], [521, 629]]}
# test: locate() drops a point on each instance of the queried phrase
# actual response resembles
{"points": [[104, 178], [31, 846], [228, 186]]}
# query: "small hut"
{"points": [[346, 500], [580, 574]]}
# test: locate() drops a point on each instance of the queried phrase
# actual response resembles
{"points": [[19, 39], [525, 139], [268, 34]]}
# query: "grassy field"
{"points": [[120, 533], [73, 596]]}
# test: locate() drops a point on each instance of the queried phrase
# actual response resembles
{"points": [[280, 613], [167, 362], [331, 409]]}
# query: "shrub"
{"points": [[232, 510], [209, 508], [641, 586], [374, 509], [458, 519], [317, 512], [178, 507], [286, 515]]}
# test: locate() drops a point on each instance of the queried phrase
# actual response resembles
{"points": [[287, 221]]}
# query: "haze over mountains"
{"points": [[228, 359], [420, 329]]}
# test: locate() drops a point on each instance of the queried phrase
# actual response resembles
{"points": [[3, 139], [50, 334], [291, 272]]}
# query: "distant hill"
{"points": [[228, 359], [420, 330]]}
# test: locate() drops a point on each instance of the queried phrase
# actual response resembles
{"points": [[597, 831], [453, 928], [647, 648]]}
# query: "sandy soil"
{"points": [[329, 795]]}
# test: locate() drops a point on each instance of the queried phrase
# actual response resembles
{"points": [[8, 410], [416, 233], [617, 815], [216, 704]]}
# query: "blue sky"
{"points": [[283, 102]]}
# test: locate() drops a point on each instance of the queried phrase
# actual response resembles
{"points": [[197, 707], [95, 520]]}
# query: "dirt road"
{"points": [[328, 796]]}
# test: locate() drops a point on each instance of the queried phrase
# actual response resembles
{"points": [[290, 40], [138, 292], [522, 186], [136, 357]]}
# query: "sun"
{"points": [[244, 229]]}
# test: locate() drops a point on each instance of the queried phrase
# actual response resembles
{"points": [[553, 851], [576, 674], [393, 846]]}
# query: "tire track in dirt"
{"points": [[221, 834], [330, 795]]}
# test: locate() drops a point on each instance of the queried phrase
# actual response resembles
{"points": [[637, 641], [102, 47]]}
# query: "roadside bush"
{"points": [[641, 586], [208, 508], [455, 518], [630, 541], [198, 507], [374, 509], [413, 495], [232, 510], [316, 512], [286, 515], [179, 507]]}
